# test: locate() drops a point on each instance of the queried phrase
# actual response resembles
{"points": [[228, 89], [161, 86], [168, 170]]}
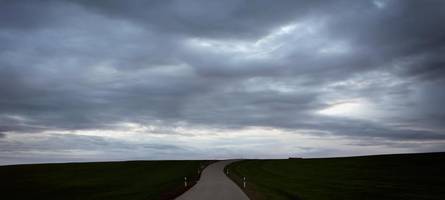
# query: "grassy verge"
{"points": [[392, 177], [102, 180]]}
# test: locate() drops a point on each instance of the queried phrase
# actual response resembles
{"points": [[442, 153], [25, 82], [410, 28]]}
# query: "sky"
{"points": [[204, 79]]}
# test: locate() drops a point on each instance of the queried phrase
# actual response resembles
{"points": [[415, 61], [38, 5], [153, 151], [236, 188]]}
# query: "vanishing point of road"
{"points": [[214, 185]]}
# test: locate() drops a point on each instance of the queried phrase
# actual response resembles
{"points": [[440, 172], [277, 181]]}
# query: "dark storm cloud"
{"points": [[401, 31], [232, 18], [27, 15], [72, 65]]}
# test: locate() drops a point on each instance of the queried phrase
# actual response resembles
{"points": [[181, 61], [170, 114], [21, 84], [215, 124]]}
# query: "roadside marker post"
{"points": [[185, 181], [244, 182], [227, 171]]}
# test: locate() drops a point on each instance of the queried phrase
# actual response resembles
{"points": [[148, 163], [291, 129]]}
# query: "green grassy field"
{"points": [[102, 180], [392, 177]]}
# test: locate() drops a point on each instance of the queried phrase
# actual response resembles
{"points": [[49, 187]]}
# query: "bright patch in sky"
{"points": [[337, 48], [266, 46], [354, 109], [379, 4]]}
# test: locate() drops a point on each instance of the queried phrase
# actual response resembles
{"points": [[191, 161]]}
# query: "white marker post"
{"points": [[185, 181], [244, 182], [227, 171]]}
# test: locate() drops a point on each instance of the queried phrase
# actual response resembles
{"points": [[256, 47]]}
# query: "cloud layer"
{"points": [[82, 72]]}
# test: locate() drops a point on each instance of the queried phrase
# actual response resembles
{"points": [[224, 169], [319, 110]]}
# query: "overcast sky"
{"points": [[202, 79]]}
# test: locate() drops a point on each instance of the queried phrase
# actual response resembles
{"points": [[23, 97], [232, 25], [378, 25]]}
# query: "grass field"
{"points": [[383, 177], [102, 180]]}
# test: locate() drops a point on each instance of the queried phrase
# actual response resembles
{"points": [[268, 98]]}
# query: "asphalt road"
{"points": [[214, 185]]}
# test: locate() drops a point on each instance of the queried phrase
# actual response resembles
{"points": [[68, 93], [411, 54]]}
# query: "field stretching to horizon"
{"points": [[379, 177], [382, 177], [99, 180]]}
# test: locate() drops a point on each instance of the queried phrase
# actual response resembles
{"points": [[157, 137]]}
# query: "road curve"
{"points": [[214, 185]]}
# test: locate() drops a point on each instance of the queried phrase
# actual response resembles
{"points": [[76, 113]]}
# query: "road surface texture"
{"points": [[214, 185]]}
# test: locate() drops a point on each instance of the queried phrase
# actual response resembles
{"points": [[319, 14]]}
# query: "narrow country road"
{"points": [[214, 185]]}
